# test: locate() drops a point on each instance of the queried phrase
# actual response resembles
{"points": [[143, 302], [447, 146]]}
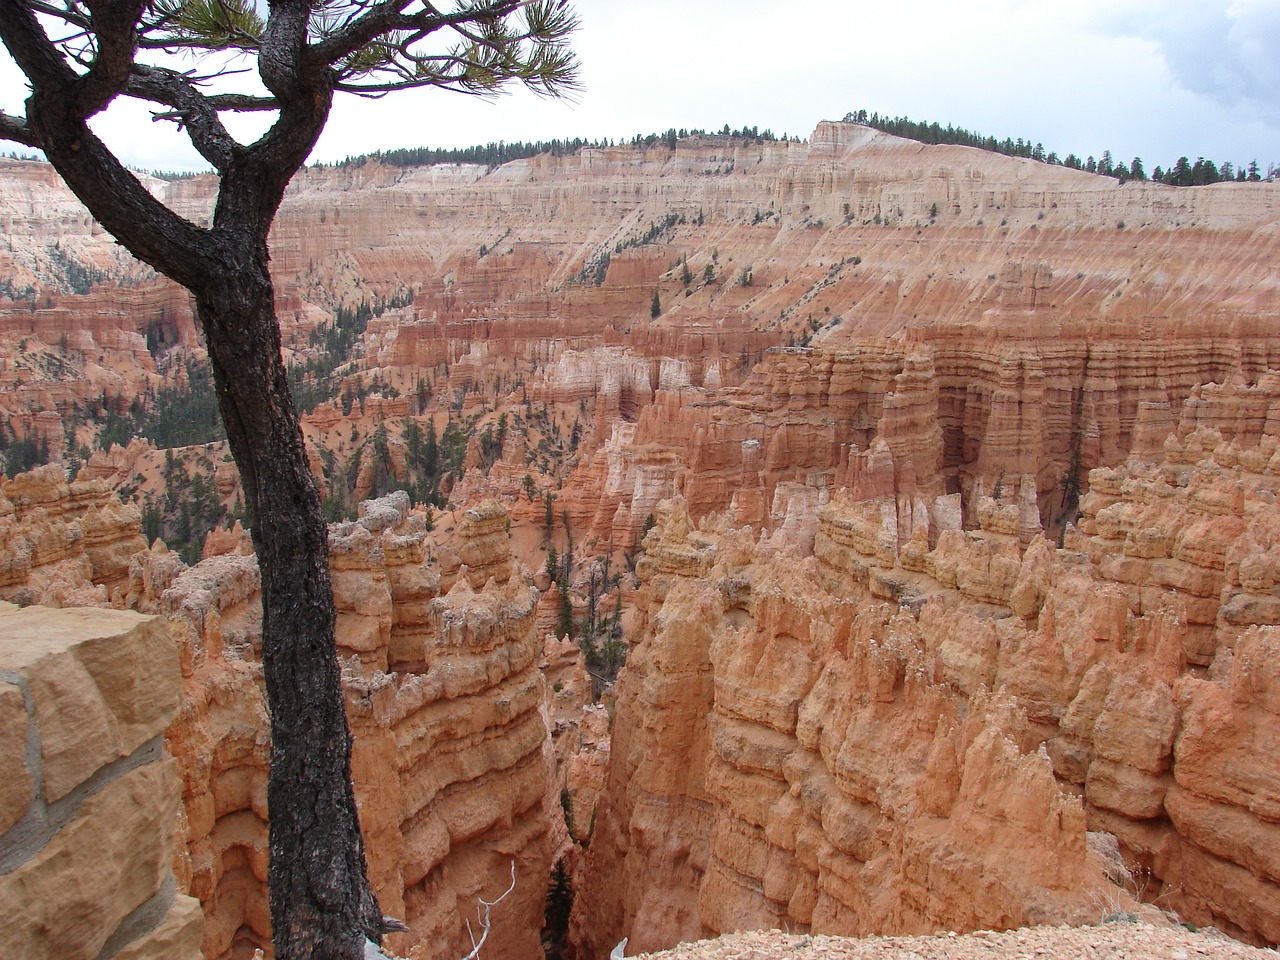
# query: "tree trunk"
{"points": [[321, 903], [322, 906]]}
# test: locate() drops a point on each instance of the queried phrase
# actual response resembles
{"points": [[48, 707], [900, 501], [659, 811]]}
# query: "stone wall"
{"points": [[89, 799]]}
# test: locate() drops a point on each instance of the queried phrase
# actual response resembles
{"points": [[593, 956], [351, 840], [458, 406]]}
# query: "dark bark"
{"points": [[322, 906], [321, 902]]}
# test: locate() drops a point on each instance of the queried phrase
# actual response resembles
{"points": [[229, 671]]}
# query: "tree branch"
{"points": [[31, 49], [388, 16], [150, 230], [190, 107], [11, 128], [303, 92], [486, 923], [114, 23], [241, 102], [64, 13]]}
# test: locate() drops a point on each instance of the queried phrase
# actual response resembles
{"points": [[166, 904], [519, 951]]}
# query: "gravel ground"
{"points": [[1112, 941]]}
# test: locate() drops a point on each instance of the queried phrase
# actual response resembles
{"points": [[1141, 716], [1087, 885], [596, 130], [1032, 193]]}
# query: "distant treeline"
{"points": [[177, 174], [1183, 173], [490, 155], [496, 154]]}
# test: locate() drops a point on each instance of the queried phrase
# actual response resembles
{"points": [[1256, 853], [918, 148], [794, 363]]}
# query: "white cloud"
{"points": [[1227, 52], [1224, 52]]}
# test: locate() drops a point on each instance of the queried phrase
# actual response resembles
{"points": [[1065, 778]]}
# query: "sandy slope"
{"points": [[1120, 941]]}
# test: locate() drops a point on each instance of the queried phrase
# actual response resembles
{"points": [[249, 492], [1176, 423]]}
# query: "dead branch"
{"points": [[483, 910]]}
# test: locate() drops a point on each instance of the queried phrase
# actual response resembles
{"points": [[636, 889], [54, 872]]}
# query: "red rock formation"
{"points": [[442, 691], [64, 544], [944, 415], [459, 721], [784, 755], [967, 377], [836, 235], [813, 743]]}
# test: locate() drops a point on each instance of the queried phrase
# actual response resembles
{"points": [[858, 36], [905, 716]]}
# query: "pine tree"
{"points": [[78, 58]]}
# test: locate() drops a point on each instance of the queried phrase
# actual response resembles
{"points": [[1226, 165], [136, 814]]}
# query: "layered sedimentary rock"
{"points": [[896, 703], [460, 723], [782, 755], [749, 245], [896, 735], [220, 738], [90, 800], [948, 410], [443, 695], [64, 544]]}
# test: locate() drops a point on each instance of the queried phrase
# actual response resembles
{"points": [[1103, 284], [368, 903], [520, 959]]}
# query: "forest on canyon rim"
{"points": [[927, 493]]}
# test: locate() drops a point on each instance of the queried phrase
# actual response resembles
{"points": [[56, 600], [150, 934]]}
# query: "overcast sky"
{"points": [[1151, 78]]}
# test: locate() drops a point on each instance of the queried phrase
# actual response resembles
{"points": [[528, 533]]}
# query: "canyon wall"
{"points": [[64, 543], [443, 695], [889, 735], [960, 603], [852, 234], [445, 703], [944, 410]]}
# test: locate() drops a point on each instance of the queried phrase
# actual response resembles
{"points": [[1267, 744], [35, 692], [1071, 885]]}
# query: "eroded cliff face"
{"points": [[941, 411], [444, 700], [970, 572], [784, 756], [533, 282], [443, 695], [64, 544], [894, 737]]}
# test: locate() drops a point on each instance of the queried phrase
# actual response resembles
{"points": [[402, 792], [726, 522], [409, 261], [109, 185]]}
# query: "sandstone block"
{"points": [[1227, 832], [177, 938], [15, 781], [1125, 790], [78, 735], [361, 634], [851, 827], [69, 898], [136, 670], [968, 652], [426, 844], [1226, 750], [1216, 887], [1248, 610], [1146, 543], [1136, 725], [103, 683], [1187, 577], [1071, 759]]}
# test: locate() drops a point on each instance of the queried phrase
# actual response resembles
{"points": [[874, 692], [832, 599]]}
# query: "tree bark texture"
{"points": [[322, 906], [321, 902]]}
